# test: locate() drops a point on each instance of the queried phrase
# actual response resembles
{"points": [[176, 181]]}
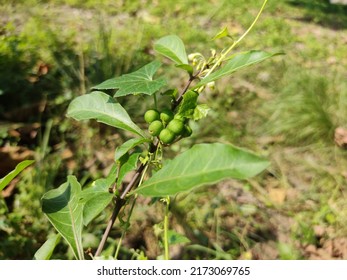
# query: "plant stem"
{"points": [[180, 96], [133, 181], [118, 245], [126, 227], [120, 201], [166, 229], [118, 207]]}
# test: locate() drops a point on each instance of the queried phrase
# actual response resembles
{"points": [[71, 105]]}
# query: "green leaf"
{"points": [[96, 204], [221, 34], [130, 165], [103, 108], [188, 104], [172, 47], [10, 176], [65, 213], [96, 198], [201, 165], [127, 146], [171, 92], [46, 250], [140, 81], [186, 67], [176, 238], [200, 111], [237, 62]]}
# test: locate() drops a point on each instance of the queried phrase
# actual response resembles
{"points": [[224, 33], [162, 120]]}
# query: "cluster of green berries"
{"points": [[166, 125]]}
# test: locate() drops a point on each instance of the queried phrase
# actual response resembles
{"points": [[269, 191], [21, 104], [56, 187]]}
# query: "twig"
{"points": [[166, 229], [180, 96], [120, 201], [118, 207]]}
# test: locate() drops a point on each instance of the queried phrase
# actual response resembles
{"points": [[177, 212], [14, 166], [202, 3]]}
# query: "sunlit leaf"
{"points": [[46, 250], [128, 166], [201, 165], [186, 67], [95, 198], [10, 176], [140, 81], [223, 33], [103, 108], [127, 146], [97, 202], [237, 62], [64, 211], [200, 111], [188, 104], [173, 48], [176, 238]]}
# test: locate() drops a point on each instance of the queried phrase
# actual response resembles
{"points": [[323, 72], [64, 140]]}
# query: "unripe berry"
{"points": [[176, 126], [166, 115], [155, 128], [167, 136], [151, 116]]}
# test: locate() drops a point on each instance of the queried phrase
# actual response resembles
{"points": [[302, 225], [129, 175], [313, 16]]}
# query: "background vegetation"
{"points": [[287, 109]]}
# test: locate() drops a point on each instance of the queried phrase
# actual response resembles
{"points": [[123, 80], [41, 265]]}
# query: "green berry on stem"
{"points": [[176, 126], [155, 128], [167, 136], [166, 115], [151, 116]]}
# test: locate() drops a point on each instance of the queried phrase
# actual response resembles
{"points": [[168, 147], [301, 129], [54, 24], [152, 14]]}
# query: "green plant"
{"points": [[70, 207], [166, 136], [10, 176], [176, 126], [151, 116], [305, 110], [166, 115], [155, 128]]}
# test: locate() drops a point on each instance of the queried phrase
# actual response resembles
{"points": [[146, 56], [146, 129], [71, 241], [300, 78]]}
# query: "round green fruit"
{"points": [[151, 116], [176, 126], [167, 136], [155, 128], [166, 115]]}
